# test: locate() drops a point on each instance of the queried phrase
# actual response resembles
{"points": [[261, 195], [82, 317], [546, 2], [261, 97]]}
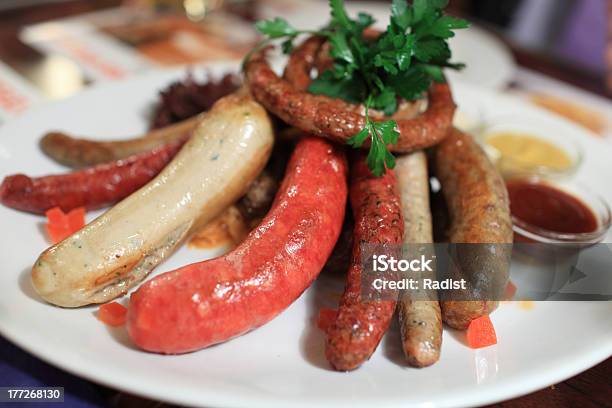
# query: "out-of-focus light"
{"points": [[196, 9], [58, 77]]}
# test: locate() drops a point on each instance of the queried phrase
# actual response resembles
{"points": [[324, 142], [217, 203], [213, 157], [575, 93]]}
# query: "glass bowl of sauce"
{"points": [[519, 147], [547, 212]]}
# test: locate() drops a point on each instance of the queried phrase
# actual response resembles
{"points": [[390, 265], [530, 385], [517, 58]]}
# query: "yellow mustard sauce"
{"points": [[521, 151]]}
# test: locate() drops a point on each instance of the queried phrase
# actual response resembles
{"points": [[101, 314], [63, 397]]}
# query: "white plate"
{"points": [[489, 62], [282, 363]]}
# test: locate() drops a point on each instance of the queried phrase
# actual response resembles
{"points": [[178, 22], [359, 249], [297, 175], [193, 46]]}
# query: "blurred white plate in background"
{"points": [[489, 62]]}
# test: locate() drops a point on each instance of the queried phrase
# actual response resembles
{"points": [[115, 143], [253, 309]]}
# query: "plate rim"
{"points": [[495, 393]]}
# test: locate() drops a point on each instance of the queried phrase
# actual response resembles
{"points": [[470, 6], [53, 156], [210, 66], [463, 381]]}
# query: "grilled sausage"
{"points": [[362, 320], [74, 152], [301, 61], [338, 120], [419, 310], [93, 187], [228, 149], [480, 228], [213, 301]]}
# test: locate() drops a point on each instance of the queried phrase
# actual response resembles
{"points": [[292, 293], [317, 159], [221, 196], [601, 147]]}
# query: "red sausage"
{"points": [[361, 323], [213, 301], [92, 187]]}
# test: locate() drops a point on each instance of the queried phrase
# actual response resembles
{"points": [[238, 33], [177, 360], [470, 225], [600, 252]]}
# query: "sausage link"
{"points": [[118, 249], [213, 301], [297, 71], [76, 152], [93, 187], [479, 213], [361, 321], [419, 310], [338, 120]]}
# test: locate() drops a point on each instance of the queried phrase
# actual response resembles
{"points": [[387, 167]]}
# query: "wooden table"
{"points": [[593, 388]]}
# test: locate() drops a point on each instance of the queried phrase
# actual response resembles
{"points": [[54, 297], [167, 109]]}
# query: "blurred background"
{"points": [[554, 36], [570, 32], [51, 49]]}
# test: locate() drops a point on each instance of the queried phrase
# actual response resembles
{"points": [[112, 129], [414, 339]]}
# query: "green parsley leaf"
{"points": [[364, 20], [419, 8], [340, 49], [402, 62], [435, 49], [287, 46], [411, 84], [358, 140], [435, 72], [339, 16], [349, 89], [438, 4], [387, 61], [374, 161], [276, 28], [442, 27], [388, 131], [400, 14], [386, 101], [379, 158], [458, 66], [404, 55]]}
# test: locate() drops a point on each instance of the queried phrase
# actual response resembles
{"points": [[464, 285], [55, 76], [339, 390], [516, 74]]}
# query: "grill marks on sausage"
{"points": [[360, 322]]}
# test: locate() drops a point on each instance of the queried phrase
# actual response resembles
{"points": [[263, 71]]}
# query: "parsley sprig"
{"points": [[401, 63]]}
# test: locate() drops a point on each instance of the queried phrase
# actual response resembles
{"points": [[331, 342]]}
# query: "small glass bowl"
{"points": [[526, 232], [507, 166]]}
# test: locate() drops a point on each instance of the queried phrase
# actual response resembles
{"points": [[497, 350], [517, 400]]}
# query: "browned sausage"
{"points": [[75, 152], [361, 321], [301, 60], [419, 310], [479, 213], [339, 120]]}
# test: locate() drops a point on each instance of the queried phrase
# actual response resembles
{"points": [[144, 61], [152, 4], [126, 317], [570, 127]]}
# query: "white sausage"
{"points": [[228, 149]]}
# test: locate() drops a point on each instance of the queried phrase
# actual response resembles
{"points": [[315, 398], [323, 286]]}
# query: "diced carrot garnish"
{"points": [[481, 333], [76, 219], [112, 314], [510, 291], [56, 232], [55, 216], [326, 318], [60, 225]]}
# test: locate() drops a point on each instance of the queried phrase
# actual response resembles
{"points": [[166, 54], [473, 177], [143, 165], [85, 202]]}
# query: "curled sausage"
{"points": [[480, 226], [419, 310], [338, 120], [300, 63], [213, 301], [362, 320], [93, 187]]}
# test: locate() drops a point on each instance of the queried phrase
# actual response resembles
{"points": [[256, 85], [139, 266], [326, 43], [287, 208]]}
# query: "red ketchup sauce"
{"points": [[549, 208]]}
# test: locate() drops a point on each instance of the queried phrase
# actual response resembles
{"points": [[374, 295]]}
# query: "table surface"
{"points": [[591, 388]]}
